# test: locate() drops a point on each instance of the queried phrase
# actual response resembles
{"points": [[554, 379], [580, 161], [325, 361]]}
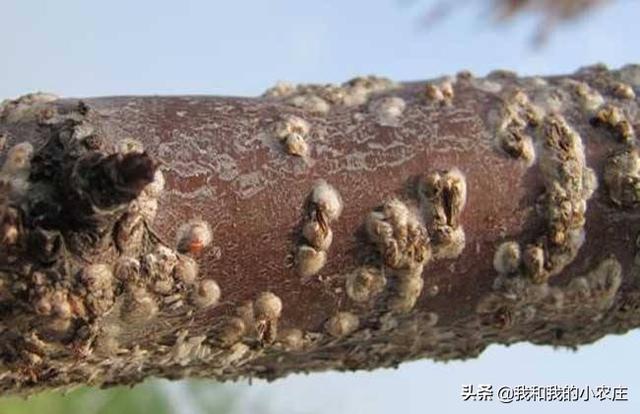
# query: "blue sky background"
{"points": [[241, 47]]}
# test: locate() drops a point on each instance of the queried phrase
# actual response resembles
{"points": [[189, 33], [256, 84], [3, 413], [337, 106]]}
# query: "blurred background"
{"points": [[242, 47]]}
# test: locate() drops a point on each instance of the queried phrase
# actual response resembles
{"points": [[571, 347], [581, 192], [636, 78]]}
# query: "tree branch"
{"points": [[317, 227]]}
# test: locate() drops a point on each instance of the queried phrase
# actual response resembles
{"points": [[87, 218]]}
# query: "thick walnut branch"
{"points": [[316, 227]]}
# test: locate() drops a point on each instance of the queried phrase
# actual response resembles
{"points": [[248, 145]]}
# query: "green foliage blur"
{"points": [[156, 396]]}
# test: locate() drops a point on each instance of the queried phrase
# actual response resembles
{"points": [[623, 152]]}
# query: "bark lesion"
{"points": [[69, 209]]}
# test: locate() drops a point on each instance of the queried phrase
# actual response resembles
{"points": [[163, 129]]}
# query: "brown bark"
{"points": [[334, 227]]}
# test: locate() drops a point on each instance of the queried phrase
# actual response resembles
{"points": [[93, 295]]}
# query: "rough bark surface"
{"points": [[316, 227]]}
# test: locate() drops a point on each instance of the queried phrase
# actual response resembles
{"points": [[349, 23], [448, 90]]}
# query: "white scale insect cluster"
{"points": [[15, 171], [569, 185], [404, 247], [14, 184], [520, 117], [71, 297], [402, 238], [342, 324], [441, 93], [407, 235], [194, 236], [293, 133], [319, 99], [365, 283], [388, 110], [443, 196], [622, 177], [607, 114], [525, 129], [30, 107], [267, 310], [622, 168], [518, 303], [324, 207], [522, 294]]}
